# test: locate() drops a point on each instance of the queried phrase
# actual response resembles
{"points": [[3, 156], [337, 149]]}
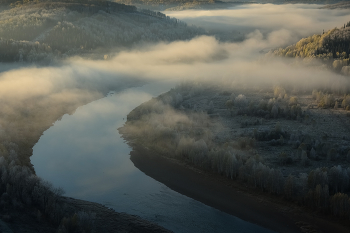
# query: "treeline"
{"points": [[91, 6], [331, 47], [20, 51], [180, 2], [327, 100], [181, 131], [281, 106], [158, 2]]}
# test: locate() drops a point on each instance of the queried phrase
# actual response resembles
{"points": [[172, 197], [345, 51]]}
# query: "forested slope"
{"points": [[175, 4], [332, 48], [44, 31], [340, 5]]}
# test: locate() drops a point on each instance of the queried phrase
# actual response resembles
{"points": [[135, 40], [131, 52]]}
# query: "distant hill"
{"points": [[340, 5], [332, 48], [183, 4], [209, 4], [48, 30]]}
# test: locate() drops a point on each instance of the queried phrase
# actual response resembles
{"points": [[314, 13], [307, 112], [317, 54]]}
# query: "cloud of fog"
{"points": [[46, 90], [32, 98], [300, 20], [204, 58]]}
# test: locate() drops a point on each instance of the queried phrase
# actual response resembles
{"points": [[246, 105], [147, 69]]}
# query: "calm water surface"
{"points": [[85, 155]]}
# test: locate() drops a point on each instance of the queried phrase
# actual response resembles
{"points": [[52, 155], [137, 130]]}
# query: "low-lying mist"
{"points": [[297, 20], [206, 59], [201, 59], [28, 90]]}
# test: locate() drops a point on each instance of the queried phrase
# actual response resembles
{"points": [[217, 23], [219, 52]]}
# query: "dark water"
{"points": [[85, 155]]}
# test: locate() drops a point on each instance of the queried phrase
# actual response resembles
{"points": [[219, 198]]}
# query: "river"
{"points": [[85, 155]]}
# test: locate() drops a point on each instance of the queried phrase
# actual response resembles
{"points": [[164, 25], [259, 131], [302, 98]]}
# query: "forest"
{"points": [[175, 5], [331, 48], [277, 142], [44, 32]]}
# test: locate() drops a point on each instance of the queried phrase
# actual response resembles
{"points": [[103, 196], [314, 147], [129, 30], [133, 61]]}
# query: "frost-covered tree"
{"points": [[279, 92], [304, 159], [289, 187], [198, 152], [344, 186], [210, 107], [339, 205], [293, 100], [275, 181], [178, 99], [241, 101], [313, 154], [335, 178], [274, 111], [332, 154], [346, 101]]}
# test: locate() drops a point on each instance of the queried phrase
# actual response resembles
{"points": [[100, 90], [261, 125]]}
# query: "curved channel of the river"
{"points": [[84, 154]]}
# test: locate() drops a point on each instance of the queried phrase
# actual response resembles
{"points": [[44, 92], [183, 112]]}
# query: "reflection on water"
{"points": [[85, 155]]}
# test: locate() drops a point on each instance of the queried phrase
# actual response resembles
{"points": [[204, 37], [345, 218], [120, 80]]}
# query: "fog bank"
{"points": [[235, 64], [300, 20]]}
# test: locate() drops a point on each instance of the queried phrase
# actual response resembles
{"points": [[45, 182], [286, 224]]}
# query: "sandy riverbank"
{"points": [[232, 197]]}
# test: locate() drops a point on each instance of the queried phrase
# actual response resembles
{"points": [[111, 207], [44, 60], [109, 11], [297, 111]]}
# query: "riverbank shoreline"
{"points": [[105, 219], [232, 197], [26, 218], [108, 220]]}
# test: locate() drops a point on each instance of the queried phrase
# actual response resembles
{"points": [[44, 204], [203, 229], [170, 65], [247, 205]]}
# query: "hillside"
{"points": [[44, 31], [330, 48]]}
